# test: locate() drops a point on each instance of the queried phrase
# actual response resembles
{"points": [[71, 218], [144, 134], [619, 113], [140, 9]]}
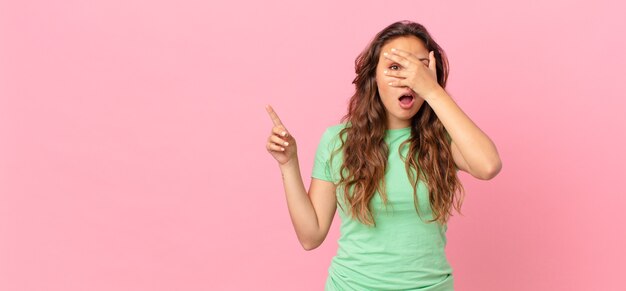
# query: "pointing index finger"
{"points": [[273, 115]]}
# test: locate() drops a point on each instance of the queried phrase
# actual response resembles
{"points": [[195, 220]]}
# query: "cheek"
{"points": [[385, 94], [382, 80], [384, 90]]}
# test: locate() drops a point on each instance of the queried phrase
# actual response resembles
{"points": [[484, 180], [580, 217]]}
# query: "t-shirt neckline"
{"points": [[398, 131]]}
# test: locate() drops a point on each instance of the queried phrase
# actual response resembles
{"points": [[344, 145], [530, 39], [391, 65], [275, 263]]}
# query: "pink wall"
{"points": [[132, 136]]}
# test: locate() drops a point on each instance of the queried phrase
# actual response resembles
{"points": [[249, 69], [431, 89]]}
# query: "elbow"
{"points": [[310, 244], [309, 247], [490, 170]]}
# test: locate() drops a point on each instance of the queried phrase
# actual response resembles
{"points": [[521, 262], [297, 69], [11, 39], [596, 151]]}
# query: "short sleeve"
{"points": [[321, 164]]}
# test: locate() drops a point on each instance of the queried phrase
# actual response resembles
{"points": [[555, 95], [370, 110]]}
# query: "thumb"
{"points": [[432, 63]]}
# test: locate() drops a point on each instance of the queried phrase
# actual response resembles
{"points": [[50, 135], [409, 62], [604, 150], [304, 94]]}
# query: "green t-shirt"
{"points": [[402, 252]]}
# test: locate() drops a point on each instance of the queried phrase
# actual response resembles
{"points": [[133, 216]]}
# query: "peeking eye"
{"points": [[394, 67]]}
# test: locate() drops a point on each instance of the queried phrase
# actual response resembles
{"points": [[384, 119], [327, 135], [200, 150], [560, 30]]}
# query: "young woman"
{"points": [[391, 167]]}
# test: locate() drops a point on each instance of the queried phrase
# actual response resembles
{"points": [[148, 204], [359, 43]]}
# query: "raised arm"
{"points": [[472, 150], [311, 213]]}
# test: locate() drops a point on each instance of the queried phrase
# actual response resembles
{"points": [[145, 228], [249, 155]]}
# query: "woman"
{"points": [[400, 122]]}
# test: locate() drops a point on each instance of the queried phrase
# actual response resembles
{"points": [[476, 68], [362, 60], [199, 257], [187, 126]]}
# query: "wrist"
{"points": [[292, 163], [436, 93]]}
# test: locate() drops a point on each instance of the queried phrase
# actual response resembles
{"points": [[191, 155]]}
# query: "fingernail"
{"points": [[384, 54], [282, 149], [385, 72], [389, 83], [284, 133], [286, 143], [393, 49]]}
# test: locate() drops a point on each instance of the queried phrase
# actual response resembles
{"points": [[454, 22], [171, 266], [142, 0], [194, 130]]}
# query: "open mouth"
{"points": [[406, 99]]}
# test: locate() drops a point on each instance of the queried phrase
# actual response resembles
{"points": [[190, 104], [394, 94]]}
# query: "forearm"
{"points": [[476, 147], [301, 210]]}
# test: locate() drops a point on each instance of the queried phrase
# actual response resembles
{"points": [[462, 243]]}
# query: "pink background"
{"points": [[132, 139]]}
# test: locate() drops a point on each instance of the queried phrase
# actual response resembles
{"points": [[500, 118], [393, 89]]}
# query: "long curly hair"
{"points": [[365, 151]]}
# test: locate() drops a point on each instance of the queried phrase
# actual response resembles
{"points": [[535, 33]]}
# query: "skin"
{"points": [[404, 66], [398, 117], [472, 150], [311, 213]]}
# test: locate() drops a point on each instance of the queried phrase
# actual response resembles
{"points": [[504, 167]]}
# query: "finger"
{"points": [[425, 60], [405, 54], [274, 148], [273, 115], [280, 131], [278, 141], [395, 74], [397, 83], [398, 59]]}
